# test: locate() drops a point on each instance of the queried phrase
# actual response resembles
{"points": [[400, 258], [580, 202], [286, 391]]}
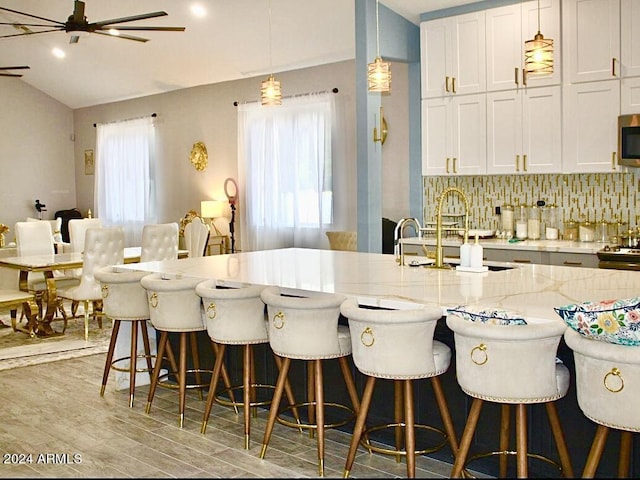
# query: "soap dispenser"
{"points": [[476, 254], [465, 253]]}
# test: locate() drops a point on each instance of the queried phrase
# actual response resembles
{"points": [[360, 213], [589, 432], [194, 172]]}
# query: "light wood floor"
{"points": [[53, 409]]}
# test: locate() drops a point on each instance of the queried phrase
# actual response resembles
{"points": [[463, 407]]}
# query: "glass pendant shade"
{"points": [[538, 55], [270, 92], [379, 76]]}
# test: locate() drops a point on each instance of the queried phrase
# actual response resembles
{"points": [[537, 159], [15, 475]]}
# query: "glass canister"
{"points": [[550, 222], [522, 219], [533, 223], [571, 230], [602, 231], [586, 231], [506, 213]]}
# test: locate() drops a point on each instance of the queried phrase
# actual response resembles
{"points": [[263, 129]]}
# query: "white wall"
{"points": [[36, 153]]}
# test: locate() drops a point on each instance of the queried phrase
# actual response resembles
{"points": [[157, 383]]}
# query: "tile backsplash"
{"points": [[592, 196]]}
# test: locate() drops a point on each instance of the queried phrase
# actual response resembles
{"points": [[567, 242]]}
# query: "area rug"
{"points": [[17, 349]]}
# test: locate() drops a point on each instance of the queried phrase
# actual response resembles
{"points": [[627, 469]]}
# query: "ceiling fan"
{"points": [[8, 74], [77, 25]]}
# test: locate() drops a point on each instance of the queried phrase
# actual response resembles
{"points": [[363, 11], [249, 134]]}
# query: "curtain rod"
{"points": [[334, 90], [153, 115]]}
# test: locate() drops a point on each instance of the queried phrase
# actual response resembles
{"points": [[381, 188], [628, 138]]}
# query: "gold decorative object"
{"points": [[191, 214], [3, 229], [480, 348], [384, 130], [615, 373], [199, 157], [378, 72], [538, 53], [270, 90]]}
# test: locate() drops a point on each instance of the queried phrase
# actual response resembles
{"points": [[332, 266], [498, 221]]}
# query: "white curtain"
{"points": [[124, 176], [285, 172]]}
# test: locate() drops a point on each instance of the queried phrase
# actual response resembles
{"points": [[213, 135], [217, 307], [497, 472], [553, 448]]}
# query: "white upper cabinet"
{"points": [[453, 55], [454, 135], [592, 39], [508, 28], [524, 131], [630, 39]]}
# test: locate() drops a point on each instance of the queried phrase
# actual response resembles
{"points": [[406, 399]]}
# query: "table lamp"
{"points": [[212, 209]]}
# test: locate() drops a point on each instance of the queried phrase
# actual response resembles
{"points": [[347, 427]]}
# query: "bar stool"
{"points": [[608, 388], [510, 365], [175, 307], [304, 326], [124, 300], [235, 315], [396, 343]]}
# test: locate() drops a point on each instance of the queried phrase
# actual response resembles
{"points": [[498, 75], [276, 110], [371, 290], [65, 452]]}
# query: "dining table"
{"points": [[47, 264]]}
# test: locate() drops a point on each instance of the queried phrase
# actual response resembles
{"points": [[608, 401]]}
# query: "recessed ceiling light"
{"points": [[198, 10], [58, 52]]}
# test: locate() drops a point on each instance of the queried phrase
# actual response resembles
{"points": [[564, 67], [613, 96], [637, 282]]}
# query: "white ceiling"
{"points": [[229, 43]]}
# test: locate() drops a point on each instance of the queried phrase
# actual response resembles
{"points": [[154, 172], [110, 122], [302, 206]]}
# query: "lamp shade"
{"points": [[211, 208]]}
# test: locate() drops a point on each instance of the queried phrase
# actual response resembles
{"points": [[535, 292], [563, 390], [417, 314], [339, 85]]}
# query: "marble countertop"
{"points": [[376, 279], [564, 246]]}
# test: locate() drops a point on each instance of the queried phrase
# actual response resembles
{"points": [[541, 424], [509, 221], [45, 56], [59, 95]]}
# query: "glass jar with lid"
{"points": [[522, 219], [570, 230], [506, 213], [586, 231], [533, 223], [602, 231], [550, 222]]}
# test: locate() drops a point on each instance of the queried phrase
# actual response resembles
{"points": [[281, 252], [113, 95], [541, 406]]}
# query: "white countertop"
{"points": [[565, 246], [530, 289]]}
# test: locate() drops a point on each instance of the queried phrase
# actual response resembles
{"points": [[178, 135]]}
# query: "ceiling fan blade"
{"points": [[21, 67], [78, 12], [133, 18], [32, 16], [150, 29], [10, 74], [126, 37], [32, 33], [20, 24]]}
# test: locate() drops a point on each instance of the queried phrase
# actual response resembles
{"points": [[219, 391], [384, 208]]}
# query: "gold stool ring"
{"points": [[153, 300], [480, 348], [211, 311], [105, 291], [278, 320], [367, 338], [616, 373]]}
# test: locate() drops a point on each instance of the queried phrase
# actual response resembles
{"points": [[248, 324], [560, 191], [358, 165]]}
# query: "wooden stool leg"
{"points": [[225, 378], [595, 453], [196, 361], [311, 395], [409, 429], [358, 429], [275, 404], [445, 414], [561, 445], [505, 431], [246, 379], [624, 459], [467, 436], [289, 392], [398, 416], [133, 361], [217, 367], [320, 421], [147, 345], [182, 378], [350, 383], [107, 363], [162, 345], [521, 440]]}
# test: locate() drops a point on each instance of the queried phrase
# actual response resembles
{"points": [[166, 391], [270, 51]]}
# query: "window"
{"points": [[124, 176], [285, 167]]}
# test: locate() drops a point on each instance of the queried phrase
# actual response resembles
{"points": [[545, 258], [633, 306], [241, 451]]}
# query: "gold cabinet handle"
{"points": [[524, 162], [446, 84], [517, 163], [613, 67], [453, 84], [105, 291], [455, 165], [278, 320], [447, 169], [615, 373], [482, 351], [211, 311], [572, 264], [515, 260], [613, 160], [367, 338], [516, 77], [524, 77]]}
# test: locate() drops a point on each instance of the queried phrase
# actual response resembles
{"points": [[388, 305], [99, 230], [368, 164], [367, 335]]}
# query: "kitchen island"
{"points": [[376, 279]]}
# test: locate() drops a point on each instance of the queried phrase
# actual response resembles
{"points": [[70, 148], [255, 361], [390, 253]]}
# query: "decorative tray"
{"points": [[481, 233]]}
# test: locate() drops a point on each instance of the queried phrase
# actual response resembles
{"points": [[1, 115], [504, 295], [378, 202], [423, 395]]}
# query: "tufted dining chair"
{"points": [[395, 343], [608, 388], [510, 364], [343, 240], [103, 247], [159, 242], [196, 237], [77, 230]]}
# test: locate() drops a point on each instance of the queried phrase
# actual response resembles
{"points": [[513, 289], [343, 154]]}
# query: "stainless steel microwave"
{"points": [[629, 140]]}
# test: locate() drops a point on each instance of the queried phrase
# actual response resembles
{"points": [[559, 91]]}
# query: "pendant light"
{"points": [[378, 72], [270, 91], [538, 53]]}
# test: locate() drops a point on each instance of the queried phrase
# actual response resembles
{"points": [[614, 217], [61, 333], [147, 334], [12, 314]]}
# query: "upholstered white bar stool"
{"points": [[304, 326], [608, 389], [396, 343], [125, 300], [510, 365], [174, 306], [235, 315]]}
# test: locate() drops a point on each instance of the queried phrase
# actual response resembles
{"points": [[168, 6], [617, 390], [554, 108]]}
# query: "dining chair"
{"points": [[159, 242], [196, 237], [343, 240], [77, 229], [103, 247]]}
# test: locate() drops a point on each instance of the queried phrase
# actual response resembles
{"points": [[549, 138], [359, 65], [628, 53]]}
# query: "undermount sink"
{"points": [[492, 268]]}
